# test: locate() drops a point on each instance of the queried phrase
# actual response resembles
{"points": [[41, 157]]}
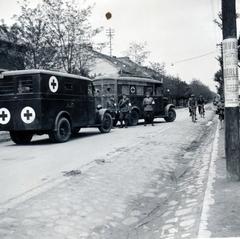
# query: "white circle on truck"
{"points": [[5, 116], [28, 115], [53, 84]]}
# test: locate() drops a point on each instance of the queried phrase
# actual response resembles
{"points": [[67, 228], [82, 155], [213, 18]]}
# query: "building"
{"points": [[11, 54], [104, 65]]}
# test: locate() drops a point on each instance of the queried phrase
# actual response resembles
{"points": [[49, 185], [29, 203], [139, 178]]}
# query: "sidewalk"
{"points": [[221, 208]]}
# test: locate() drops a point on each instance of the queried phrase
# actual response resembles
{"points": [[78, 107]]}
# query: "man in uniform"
{"points": [[201, 103], [148, 103], [192, 105], [124, 108], [112, 107]]}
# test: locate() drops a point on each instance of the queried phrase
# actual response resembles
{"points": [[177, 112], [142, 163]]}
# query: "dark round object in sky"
{"points": [[108, 15]]}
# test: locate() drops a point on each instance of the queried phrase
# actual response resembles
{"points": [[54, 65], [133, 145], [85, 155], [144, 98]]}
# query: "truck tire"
{"points": [[171, 115], [21, 137], [63, 132], [106, 124]]}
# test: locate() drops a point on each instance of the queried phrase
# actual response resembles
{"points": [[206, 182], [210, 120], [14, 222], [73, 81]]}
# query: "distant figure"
{"points": [[148, 107], [124, 108], [112, 107], [220, 112], [192, 106], [201, 103]]}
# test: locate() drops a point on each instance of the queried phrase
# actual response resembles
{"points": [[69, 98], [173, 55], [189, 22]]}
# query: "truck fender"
{"points": [[168, 107], [100, 114], [59, 115], [135, 108]]}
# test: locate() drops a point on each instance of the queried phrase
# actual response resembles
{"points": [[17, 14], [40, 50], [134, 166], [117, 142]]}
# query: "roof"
{"points": [[128, 67], [39, 71], [130, 78]]}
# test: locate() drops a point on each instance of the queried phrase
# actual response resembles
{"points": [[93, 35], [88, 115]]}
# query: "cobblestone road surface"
{"points": [[152, 186]]}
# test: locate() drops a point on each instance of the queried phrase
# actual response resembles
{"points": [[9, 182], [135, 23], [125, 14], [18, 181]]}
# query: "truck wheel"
{"points": [[171, 115], [63, 132], [134, 117], [21, 137], [106, 123]]}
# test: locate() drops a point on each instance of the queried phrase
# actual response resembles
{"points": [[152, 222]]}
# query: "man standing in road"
{"points": [[112, 107], [124, 108], [201, 103], [192, 106], [148, 103]]}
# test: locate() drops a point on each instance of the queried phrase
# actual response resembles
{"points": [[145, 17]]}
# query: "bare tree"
{"points": [[71, 33], [32, 31], [158, 67], [137, 52]]}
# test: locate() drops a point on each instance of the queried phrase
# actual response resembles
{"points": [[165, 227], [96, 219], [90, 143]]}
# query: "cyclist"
{"points": [[192, 106], [201, 103]]}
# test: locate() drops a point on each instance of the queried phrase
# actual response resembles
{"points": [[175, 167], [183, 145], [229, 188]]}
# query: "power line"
{"points": [[194, 58]]}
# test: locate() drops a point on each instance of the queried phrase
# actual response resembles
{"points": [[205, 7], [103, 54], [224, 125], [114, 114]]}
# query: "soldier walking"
{"points": [[148, 106], [124, 108]]}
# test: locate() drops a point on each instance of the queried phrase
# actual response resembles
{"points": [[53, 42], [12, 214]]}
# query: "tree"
{"points": [[198, 88], [33, 32], [57, 35], [71, 34], [137, 52], [158, 67]]}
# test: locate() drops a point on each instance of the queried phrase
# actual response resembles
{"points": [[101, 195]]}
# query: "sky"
{"points": [[174, 30]]}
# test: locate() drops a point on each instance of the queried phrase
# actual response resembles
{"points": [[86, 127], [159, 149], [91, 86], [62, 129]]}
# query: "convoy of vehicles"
{"points": [[60, 104], [47, 102], [135, 88]]}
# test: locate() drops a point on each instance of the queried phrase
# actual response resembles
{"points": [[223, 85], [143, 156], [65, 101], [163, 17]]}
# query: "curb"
{"points": [[208, 197]]}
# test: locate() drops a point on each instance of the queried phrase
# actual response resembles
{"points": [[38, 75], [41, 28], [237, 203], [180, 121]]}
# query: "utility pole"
{"points": [[230, 69], [110, 34]]}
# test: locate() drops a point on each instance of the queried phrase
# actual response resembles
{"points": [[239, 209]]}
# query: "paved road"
{"points": [[131, 184], [23, 168]]}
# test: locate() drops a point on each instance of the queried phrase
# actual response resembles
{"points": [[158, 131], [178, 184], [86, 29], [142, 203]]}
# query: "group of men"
{"points": [[194, 103], [123, 109]]}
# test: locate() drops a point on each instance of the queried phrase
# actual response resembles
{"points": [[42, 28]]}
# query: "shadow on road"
{"points": [[44, 140]]}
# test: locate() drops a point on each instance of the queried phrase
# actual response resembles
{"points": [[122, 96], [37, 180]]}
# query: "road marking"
{"points": [[5, 116], [208, 197], [28, 115], [53, 84]]}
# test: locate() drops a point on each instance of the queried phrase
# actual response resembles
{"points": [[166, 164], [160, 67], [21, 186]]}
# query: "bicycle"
{"points": [[193, 115]]}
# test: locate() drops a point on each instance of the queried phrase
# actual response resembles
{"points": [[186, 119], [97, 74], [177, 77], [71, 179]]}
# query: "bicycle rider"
{"points": [[201, 103], [192, 105]]}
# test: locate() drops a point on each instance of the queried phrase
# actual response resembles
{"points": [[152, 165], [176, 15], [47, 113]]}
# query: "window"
{"points": [[140, 90], [25, 84], [159, 91], [108, 89], [90, 89], [97, 90], [125, 89], [148, 89]]}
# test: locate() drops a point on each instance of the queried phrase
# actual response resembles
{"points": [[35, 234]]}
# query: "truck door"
{"points": [[158, 98]]}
